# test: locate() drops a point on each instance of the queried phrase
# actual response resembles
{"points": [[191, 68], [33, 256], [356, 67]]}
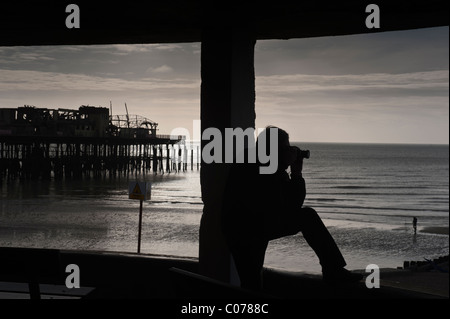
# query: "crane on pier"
{"points": [[128, 117]]}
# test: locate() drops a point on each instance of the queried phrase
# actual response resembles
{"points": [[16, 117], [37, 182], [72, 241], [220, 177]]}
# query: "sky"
{"points": [[388, 87]]}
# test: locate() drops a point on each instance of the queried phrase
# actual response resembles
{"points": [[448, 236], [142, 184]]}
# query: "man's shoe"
{"points": [[341, 276]]}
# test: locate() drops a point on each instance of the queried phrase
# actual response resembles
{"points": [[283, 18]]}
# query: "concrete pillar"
{"points": [[227, 101]]}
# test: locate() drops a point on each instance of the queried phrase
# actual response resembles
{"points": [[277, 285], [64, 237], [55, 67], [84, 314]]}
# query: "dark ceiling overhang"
{"points": [[113, 22]]}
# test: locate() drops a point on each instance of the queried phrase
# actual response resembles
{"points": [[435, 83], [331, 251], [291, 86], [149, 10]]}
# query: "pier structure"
{"points": [[37, 143]]}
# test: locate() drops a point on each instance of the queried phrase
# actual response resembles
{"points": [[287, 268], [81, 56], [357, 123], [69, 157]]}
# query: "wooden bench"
{"points": [[33, 273]]}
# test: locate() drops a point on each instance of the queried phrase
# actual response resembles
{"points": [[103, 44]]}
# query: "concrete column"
{"points": [[227, 101]]}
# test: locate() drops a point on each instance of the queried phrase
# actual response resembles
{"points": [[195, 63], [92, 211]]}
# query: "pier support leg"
{"points": [[227, 100]]}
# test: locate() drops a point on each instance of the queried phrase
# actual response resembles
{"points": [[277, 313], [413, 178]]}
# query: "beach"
{"points": [[435, 230]]}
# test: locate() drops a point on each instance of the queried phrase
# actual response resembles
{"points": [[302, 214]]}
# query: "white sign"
{"points": [[140, 190]]}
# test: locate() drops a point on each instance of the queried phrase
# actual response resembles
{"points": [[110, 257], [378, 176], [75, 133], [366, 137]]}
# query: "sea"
{"points": [[366, 194]]}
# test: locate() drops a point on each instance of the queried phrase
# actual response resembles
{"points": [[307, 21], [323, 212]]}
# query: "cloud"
{"points": [[161, 69], [353, 93], [17, 57], [309, 83], [166, 47], [25, 80], [123, 49]]}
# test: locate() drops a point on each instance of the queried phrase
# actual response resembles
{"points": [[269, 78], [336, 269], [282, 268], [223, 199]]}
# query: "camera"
{"points": [[304, 153]]}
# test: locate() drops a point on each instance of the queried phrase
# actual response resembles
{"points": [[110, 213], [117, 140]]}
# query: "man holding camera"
{"points": [[262, 207]]}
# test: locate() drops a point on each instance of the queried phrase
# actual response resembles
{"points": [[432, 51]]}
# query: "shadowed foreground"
{"points": [[132, 276]]}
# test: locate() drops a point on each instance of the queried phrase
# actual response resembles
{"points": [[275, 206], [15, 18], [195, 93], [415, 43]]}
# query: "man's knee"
{"points": [[309, 210], [309, 214]]}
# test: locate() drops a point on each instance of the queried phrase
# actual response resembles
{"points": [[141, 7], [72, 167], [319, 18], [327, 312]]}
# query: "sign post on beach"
{"points": [[141, 191]]}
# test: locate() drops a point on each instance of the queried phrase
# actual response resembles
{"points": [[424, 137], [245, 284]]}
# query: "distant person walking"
{"points": [[415, 224]]}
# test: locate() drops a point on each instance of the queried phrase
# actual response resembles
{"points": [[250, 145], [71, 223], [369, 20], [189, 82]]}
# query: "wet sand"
{"points": [[435, 230]]}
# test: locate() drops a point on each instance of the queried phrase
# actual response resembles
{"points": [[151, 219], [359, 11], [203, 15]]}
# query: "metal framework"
{"points": [[132, 121]]}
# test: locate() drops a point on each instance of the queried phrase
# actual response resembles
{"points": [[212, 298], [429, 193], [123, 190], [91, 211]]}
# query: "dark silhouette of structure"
{"points": [[87, 121], [41, 143], [262, 207]]}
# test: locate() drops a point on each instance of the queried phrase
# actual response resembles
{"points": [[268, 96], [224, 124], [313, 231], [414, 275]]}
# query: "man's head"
{"points": [[286, 154]]}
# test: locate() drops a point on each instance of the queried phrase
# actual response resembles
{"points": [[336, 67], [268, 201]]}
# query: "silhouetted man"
{"points": [[262, 207]]}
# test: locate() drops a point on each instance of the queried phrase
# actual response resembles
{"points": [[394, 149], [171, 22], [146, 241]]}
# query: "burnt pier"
{"points": [[43, 144]]}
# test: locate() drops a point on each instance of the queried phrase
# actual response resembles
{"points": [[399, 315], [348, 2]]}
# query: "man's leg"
{"points": [[330, 257], [249, 261], [319, 239]]}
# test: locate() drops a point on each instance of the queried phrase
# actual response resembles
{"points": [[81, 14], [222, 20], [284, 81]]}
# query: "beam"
{"points": [[104, 22]]}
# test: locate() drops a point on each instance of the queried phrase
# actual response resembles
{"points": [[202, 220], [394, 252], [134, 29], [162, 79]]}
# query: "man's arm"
{"points": [[297, 186], [297, 190]]}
